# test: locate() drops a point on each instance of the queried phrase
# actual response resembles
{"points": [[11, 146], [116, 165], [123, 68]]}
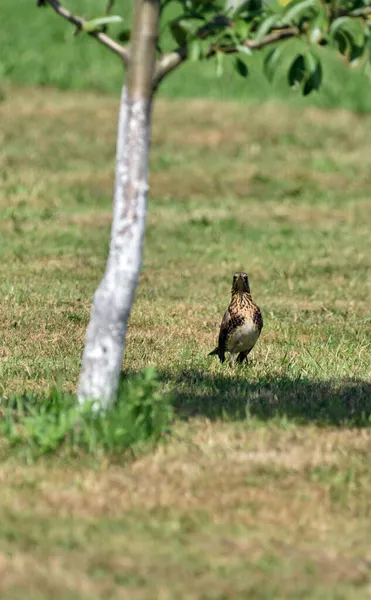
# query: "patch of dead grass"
{"points": [[206, 467], [217, 492]]}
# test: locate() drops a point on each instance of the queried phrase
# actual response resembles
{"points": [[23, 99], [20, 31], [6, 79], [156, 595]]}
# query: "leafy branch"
{"points": [[206, 30], [171, 61], [92, 27], [256, 24]]}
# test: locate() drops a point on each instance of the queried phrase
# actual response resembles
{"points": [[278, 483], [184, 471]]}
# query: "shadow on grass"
{"points": [[344, 402]]}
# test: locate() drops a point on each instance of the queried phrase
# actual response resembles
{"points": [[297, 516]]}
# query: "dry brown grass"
{"points": [[196, 514]]}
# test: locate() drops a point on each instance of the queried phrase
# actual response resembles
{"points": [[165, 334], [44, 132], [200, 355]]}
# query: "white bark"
{"points": [[105, 338]]}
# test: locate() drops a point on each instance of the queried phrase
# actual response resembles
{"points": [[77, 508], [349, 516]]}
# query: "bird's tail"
{"points": [[216, 351]]}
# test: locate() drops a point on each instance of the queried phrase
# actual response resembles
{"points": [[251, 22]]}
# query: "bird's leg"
{"points": [[232, 359], [243, 357]]}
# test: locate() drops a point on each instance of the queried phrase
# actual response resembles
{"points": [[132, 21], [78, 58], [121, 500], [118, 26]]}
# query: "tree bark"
{"points": [[105, 338]]}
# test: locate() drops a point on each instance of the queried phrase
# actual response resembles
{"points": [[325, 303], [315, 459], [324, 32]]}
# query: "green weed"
{"points": [[39, 426]]}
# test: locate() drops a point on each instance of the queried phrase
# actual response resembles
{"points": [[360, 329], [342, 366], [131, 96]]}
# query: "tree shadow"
{"points": [[341, 402]]}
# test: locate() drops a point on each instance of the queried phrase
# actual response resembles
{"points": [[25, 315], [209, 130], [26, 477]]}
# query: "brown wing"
{"points": [[223, 334], [258, 318]]}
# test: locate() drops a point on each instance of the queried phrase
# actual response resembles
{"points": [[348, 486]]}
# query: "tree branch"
{"points": [[104, 39], [171, 61], [355, 14], [109, 6], [271, 38], [167, 63]]}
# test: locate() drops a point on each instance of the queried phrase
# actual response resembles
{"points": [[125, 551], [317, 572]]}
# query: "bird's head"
{"points": [[240, 283]]}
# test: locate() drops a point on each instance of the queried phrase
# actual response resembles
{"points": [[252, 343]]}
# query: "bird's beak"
{"points": [[239, 283]]}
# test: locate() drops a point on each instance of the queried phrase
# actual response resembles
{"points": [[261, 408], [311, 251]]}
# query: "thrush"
{"points": [[241, 324]]}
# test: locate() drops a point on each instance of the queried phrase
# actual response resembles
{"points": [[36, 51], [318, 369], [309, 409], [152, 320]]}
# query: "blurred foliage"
{"points": [[296, 29], [52, 55]]}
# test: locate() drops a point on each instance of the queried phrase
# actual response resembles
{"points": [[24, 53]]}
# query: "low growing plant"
{"points": [[38, 426]]}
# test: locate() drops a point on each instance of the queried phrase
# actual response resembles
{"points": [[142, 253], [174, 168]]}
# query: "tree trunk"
{"points": [[105, 338]]}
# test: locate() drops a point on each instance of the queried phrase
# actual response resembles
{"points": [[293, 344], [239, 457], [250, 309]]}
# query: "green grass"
{"points": [[262, 487], [47, 53], [37, 426]]}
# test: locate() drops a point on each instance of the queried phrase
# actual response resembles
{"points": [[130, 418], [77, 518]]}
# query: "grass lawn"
{"points": [[263, 487]]}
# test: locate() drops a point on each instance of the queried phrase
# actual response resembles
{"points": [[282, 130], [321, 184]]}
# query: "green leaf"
{"points": [[178, 32], [311, 61], [228, 35], [272, 7], [195, 50], [242, 29], [183, 29], [271, 63], [219, 64], [244, 49], [241, 68], [318, 26], [248, 9], [297, 71], [355, 54], [124, 36], [336, 25], [355, 30], [348, 32], [366, 68], [343, 42], [306, 70], [314, 73], [351, 37], [296, 12], [265, 27], [97, 24]]}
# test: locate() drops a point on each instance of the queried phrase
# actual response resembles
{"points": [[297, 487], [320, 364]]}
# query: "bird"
{"points": [[241, 324]]}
